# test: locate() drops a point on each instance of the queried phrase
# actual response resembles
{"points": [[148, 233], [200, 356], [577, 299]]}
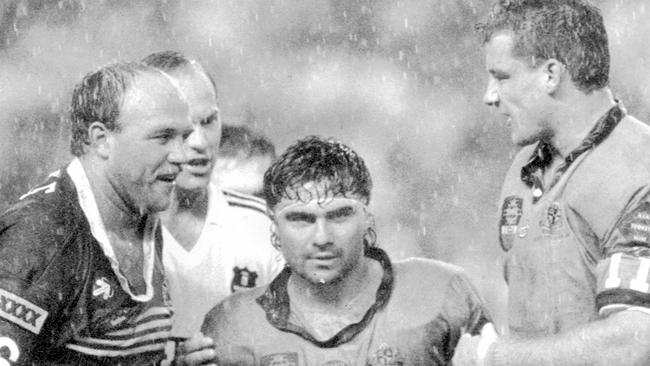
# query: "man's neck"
{"points": [[117, 216], [577, 116], [186, 216]]}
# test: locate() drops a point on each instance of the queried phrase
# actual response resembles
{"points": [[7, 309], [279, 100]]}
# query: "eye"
{"points": [[212, 119], [163, 137]]}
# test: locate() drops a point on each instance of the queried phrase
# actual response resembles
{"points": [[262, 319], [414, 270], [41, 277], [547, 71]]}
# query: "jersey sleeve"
{"points": [[32, 287], [624, 274]]}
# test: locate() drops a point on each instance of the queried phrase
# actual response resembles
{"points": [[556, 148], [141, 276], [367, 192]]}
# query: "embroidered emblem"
{"points": [[242, 279], [552, 220], [102, 288], [636, 225], [386, 356], [511, 212], [522, 231], [335, 363], [280, 359], [22, 312]]}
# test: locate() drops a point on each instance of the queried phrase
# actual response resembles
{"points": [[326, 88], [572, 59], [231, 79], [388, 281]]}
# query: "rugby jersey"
{"points": [[422, 308], [576, 229], [233, 252], [64, 298]]}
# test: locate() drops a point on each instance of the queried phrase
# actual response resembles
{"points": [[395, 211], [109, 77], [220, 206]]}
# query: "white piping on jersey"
{"points": [[141, 327], [124, 344], [116, 353], [91, 211]]}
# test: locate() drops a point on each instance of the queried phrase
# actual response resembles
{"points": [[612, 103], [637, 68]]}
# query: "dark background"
{"points": [[399, 81]]}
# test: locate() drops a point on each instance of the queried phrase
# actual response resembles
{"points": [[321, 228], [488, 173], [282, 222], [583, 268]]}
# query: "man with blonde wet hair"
{"points": [[340, 300]]}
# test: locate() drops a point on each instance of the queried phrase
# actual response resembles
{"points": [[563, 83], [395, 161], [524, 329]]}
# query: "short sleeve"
{"points": [[32, 289], [623, 276]]}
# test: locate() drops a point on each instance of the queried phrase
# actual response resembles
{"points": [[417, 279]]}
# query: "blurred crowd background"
{"points": [[401, 81]]}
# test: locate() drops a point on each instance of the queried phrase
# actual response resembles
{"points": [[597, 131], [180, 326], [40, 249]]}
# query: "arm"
{"points": [[221, 325], [623, 338], [33, 287]]}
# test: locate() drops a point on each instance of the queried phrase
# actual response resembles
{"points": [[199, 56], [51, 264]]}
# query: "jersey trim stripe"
{"points": [[140, 328], [243, 196], [157, 335], [117, 353], [238, 204]]}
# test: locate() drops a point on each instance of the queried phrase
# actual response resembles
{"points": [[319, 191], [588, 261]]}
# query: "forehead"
{"points": [[153, 97], [287, 206], [499, 52], [197, 89]]}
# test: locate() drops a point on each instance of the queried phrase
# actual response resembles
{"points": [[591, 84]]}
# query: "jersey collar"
{"points": [[89, 206], [275, 302], [542, 157]]}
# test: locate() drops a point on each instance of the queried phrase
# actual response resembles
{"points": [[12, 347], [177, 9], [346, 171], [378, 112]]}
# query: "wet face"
{"points": [[203, 143], [322, 242], [146, 151], [517, 91]]}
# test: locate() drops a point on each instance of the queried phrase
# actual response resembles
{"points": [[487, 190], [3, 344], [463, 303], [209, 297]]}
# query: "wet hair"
{"points": [[570, 31], [318, 160], [243, 142], [170, 61], [99, 97]]}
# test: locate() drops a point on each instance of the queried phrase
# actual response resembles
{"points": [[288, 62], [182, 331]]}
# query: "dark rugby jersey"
{"points": [[63, 298], [422, 308], [576, 229]]}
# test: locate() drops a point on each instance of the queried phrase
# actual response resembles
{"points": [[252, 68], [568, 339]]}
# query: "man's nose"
{"points": [[197, 139], [491, 96], [322, 233], [177, 153]]}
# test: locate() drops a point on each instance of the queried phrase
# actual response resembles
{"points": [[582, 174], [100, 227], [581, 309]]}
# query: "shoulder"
{"points": [[234, 314], [615, 172], [251, 205], [433, 276], [39, 225]]}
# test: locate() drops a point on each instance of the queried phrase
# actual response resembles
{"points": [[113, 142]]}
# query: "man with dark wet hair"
{"points": [[80, 275], [575, 212], [340, 300]]}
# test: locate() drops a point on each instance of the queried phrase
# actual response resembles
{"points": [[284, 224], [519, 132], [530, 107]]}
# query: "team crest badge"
{"points": [[511, 212], [243, 278], [335, 363], [280, 359], [386, 356], [102, 288], [552, 221]]}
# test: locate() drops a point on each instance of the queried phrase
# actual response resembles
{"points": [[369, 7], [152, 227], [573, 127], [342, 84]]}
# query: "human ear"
{"points": [[553, 71], [99, 138]]}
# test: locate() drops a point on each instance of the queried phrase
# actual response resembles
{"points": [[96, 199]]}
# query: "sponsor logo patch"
{"points": [[335, 363], [22, 312], [511, 212], [280, 359], [102, 288], [242, 278], [386, 356], [636, 225], [552, 220]]}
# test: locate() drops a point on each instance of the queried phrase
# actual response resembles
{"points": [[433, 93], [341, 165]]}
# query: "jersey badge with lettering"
{"points": [[386, 355], [277, 359], [22, 312]]}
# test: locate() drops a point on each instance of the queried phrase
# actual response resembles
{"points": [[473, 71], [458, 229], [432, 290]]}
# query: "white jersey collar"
{"points": [[89, 206]]}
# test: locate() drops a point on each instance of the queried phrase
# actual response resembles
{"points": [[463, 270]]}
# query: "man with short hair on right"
{"points": [[340, 300], [575, 207]]}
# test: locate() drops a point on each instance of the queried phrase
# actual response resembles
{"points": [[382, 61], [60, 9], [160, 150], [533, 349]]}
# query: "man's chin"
{"points": [[192, 183]]}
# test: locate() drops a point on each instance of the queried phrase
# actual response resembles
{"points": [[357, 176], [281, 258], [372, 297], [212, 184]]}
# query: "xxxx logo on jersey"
{"points": [[21, 312]]}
